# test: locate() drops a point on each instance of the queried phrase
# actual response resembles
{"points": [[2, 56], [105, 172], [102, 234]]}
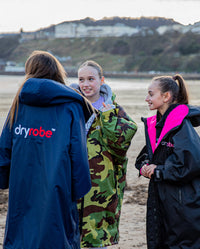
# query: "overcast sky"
{"points": [[32, 15]]}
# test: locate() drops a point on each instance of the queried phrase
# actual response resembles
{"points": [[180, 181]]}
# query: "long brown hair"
{"points": [[40, 64], [176, 85]]}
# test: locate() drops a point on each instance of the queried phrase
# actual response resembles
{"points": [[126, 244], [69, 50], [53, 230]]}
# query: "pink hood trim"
{"points": [[175, 118]]}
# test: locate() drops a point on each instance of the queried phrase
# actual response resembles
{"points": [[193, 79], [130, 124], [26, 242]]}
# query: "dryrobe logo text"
{"points": [[25, 132], [167, 144]]}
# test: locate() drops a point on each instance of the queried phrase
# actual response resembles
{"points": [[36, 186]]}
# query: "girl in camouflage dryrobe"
{"points": [[109, 135]]}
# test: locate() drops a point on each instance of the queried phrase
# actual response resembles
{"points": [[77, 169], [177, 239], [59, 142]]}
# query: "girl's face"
{"points": [[90, 83], [156, 99]]}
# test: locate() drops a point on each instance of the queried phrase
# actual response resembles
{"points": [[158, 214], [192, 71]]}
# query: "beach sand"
{"points": [[133, 216]]}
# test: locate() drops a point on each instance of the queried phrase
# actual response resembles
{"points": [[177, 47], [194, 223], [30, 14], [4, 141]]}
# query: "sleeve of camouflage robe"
{"points": [[118, 130]]}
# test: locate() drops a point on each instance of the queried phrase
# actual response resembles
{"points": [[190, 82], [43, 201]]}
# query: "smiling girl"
{"points": [[109, 135], [171, 160]]}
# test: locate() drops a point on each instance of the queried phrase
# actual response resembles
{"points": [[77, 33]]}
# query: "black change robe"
{"points": [[173, 205]]}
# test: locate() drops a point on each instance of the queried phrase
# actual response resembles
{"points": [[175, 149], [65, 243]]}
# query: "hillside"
{"points": [[149, 22], [172, 51]]}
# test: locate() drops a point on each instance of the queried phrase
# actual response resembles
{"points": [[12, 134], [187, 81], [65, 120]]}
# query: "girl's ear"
{"points": [[166, 97], [102, 80]]}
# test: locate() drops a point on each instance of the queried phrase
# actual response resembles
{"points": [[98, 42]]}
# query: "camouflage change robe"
{"points": [[108, 139]]}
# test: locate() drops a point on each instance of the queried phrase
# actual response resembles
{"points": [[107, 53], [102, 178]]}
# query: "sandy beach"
{"points": [[133, 217]]}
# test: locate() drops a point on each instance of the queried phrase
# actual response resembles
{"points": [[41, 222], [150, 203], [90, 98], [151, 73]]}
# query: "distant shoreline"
{"points": [[133, 75], [139, 75]]}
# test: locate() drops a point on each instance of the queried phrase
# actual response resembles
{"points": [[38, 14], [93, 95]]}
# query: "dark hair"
{"points": [[93, 64], [40, 64], [176, 85]]}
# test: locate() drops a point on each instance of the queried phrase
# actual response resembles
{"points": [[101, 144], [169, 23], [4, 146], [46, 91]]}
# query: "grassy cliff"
{"points": [[169, 52]]}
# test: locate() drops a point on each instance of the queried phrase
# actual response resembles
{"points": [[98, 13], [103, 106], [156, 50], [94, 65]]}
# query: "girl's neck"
{"points": [[170, 107], [163, 109], [94, 98], [98, 104]]}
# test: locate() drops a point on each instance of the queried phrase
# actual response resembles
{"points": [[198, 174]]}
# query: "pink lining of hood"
{"points": [[175, 118]]}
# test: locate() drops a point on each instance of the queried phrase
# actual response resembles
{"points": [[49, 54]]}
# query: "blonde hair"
{"points": [[93, 64]]}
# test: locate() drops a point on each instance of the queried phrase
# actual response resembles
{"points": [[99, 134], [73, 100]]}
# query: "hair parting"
{"points": [[91, 63]]}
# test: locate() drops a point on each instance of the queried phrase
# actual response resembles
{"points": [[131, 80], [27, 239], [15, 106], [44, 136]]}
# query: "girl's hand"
{"points": [[143, 170], [106, 107], [148, 170]]}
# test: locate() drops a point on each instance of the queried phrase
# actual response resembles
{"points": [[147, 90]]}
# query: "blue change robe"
{"points": [[44, 163]]}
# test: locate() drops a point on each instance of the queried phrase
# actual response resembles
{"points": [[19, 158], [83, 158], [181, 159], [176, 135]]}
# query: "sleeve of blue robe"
{"points": [[5, 156]]}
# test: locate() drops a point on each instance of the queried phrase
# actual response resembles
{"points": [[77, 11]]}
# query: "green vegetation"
{"points": [[7, 45], [151, 52]]}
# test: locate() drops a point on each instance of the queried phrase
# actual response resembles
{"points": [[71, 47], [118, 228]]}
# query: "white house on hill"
{"points": [[74, 30]]}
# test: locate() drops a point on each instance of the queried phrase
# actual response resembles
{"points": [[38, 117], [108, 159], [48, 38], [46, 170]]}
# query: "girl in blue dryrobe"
{"points": [[43, 159], [171, 159]]}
